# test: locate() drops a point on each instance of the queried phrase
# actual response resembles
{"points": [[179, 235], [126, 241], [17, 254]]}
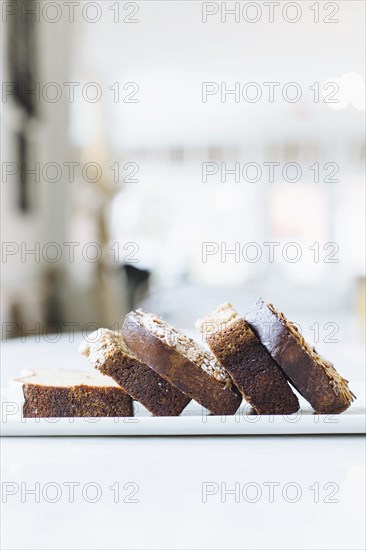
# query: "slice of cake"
{"points": [[254, 372], [181, 361], [108, 353], [58, 393], [315, 378]]}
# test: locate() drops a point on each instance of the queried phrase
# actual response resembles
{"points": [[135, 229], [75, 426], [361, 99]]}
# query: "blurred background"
{"points": [[129, 175]]}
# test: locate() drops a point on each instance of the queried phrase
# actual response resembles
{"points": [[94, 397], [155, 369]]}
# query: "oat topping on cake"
{"points": [[104, 343], [339, 384], [218, 320], [174, 338]]}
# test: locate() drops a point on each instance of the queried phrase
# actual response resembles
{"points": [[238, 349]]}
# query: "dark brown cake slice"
{"points": [[60, 393], [181, 361], [108, 353], [315, 378], [255, 373]]}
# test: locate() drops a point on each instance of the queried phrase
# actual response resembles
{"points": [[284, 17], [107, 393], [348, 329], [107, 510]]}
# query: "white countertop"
{"points": [[299, 492]]}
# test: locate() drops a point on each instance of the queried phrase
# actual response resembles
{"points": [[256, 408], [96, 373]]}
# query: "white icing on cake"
{"points": [[67, 378]]}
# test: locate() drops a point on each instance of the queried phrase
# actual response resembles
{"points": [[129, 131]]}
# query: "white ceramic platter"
{"points": [[193, 421]]}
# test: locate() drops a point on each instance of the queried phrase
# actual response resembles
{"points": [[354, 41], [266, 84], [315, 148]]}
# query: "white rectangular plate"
{"points": [[194, 421]]}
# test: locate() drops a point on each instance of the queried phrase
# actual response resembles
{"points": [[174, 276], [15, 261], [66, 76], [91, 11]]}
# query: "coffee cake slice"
{"points": [[108, 353], [255, 373], [315, 378], [181, 361], [69, 393]]}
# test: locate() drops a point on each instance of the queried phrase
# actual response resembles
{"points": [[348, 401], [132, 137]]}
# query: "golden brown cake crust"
{"points": [[219, 397], [252, 369], [315, 378]]}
